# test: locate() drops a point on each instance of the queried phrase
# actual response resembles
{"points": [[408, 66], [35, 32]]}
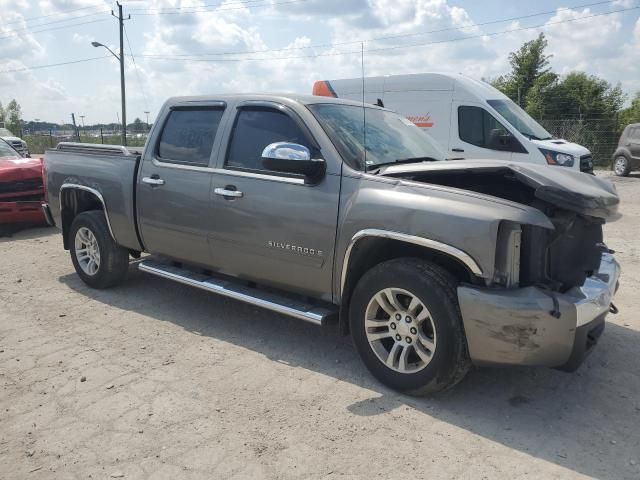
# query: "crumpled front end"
{"points": [[21, 191], [536, 326]]}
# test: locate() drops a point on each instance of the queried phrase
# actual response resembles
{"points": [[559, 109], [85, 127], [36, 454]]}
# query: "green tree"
{"points": [[577, 94], [631, 114], [136, 126], [14, 117], [2, 115], [529, 64]]}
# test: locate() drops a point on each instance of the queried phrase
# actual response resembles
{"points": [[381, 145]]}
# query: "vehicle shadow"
{"points": [[585, 421], [24, 232]]}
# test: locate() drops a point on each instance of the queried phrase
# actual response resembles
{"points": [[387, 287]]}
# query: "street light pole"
{"points": [[120, 59], [147, 114]]}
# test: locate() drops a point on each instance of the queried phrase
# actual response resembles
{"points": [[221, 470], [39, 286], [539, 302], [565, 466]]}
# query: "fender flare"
{"points": [[95, 193], [450, 250]]}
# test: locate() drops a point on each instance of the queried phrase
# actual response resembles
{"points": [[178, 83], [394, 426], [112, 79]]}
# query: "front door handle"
{"points": [[153, 180], [457, 149], [228, 192]]}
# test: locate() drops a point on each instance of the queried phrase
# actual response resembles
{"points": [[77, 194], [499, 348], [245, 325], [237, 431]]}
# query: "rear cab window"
{"points": [[188, 134]]}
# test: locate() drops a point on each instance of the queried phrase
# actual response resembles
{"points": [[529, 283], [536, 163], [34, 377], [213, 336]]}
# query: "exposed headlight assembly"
{"points": [[557, 158]]}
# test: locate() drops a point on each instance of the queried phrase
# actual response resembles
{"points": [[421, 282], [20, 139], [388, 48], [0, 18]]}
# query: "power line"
{"points": [[380, 49], [387, 37], [95, 5], [144, 93], [56, 28], [15, 30], [206, 5], [38, 67], [202, 9]]}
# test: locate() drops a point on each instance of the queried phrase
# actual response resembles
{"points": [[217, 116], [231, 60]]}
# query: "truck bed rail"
{"points": [[96, 149]]}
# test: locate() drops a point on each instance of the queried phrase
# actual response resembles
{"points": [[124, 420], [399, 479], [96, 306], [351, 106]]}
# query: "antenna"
{"points": [[364, 114]]}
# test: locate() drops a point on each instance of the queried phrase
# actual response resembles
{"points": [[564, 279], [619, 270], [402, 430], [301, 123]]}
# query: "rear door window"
{"points": [[188, 135], [255, 128], [478, 127]]}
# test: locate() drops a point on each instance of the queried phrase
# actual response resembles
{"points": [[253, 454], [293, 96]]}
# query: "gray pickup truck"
{"points": [[431, 266]]}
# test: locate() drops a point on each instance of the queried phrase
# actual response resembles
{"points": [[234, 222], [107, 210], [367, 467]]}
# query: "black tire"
{"points": [[436, 289], [626, 166], [114, 259]]}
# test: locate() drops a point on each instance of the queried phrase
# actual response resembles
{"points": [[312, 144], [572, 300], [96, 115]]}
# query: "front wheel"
{"points": [[99, 261], [621, 166], [406, 324]]}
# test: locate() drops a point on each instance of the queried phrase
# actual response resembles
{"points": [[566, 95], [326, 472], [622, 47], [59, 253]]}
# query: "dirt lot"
{"points": [[157, 380]]}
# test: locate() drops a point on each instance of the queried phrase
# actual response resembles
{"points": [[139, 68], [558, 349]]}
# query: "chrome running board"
{"points": [[234, 289]]}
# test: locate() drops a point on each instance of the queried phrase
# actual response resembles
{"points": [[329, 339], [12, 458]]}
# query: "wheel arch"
{"points": [[371, 247], [75, 199]]}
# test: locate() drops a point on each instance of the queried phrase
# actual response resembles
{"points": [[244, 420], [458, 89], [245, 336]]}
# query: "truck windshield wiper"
{"points": [[402, 160]]}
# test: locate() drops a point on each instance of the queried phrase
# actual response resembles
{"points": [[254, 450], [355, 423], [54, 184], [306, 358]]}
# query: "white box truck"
{"points": [[469, 118]]}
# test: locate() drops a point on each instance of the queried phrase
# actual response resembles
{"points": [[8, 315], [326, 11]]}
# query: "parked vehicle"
{"points": [[626, 158], [273, 200], [16, 142], [21, 188], [469, 118]]}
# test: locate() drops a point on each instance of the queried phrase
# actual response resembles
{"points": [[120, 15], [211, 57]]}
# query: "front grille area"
{"points": [[586, 164], [563, 258]]}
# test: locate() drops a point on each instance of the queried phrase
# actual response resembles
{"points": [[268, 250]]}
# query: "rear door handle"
{"points": [[153, 180], [227, 192], [457, 149]]}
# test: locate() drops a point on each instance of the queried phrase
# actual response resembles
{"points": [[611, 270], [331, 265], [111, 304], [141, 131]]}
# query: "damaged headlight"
{"points": [[558, 158]]}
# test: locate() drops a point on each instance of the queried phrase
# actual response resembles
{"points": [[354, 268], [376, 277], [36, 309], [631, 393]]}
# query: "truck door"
{"points": [[475, 133], [174, 184], [268, 227]]}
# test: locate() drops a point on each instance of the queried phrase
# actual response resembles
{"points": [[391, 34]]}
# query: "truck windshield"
{"points": [[520, 120], [389, 138]]}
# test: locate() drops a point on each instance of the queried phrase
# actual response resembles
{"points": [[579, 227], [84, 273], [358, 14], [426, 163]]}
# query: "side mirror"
{"points": [[292, 158]]}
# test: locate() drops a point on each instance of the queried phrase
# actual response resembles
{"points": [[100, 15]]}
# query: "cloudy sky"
{"points": [[184, 47]]}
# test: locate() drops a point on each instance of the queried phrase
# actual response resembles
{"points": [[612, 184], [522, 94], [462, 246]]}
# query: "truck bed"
{"points": [[107, 171]]}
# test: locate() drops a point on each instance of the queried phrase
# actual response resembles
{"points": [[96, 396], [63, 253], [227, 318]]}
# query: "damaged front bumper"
{"points": [[536, 327]]}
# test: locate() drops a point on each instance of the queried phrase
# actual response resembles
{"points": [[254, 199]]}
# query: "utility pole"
{"points": [[122, 90], [75, 128], [147, 114]]}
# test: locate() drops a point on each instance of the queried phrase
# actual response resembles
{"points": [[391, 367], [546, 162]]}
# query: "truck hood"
{"points": [[562, 146], [14, 169], [523, 183]]}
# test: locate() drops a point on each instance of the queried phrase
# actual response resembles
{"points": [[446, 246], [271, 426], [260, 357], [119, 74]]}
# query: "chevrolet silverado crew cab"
{"points": [[327, 209]]}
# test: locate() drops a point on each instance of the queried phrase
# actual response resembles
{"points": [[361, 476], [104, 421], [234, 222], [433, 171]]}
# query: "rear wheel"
{"points": [[99, 261], [621, 166], [407, 327]]}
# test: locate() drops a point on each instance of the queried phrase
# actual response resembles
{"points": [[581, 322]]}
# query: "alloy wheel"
{"points": [[87, 251], [400, 330]]}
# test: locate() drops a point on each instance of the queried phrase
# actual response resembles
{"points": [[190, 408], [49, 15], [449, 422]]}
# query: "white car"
{"points": [[469, 118], [16, 142]]}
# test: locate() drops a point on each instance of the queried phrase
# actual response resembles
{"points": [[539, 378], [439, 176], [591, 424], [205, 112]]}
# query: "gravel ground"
{"points": [[157, 380]]}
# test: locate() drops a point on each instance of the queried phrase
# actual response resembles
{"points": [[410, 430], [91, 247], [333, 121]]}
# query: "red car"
{"points": [[21, 188]]}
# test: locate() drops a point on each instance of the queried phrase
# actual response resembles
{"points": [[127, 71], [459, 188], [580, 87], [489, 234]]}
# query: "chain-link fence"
{"points": [[40, 141], [600, 135]]}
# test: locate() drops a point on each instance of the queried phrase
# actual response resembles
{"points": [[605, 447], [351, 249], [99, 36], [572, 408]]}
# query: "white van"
{"points": [[469, 118]]}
